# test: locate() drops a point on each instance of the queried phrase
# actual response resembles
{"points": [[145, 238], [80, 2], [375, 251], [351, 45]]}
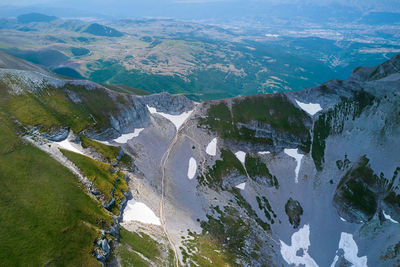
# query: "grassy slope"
{"points": [[109, 152], [256, 168], [53, 108], [269, 109], [100, 174], [45, 214], [133, 243], [263, 109]]}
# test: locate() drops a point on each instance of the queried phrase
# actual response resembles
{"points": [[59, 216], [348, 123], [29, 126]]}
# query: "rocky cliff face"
{"points": [[304, 178]]}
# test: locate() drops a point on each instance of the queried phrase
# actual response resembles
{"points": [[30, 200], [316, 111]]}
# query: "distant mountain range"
{"points": [[221, 11]]}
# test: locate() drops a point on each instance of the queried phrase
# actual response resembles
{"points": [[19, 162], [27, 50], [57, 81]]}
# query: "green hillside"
{"points": [[46, 215]]}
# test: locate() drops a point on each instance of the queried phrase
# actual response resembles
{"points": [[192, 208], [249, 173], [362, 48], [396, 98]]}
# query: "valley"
{"points": [[200, 61]]}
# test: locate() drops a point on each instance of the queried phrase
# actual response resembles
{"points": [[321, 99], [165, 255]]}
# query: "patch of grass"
{"points": [[125, 161], [228, 230], [225, 235], [110, 153], [241, 201], [274, 111], [53, 107], [95, 104], [130, 258], [256, 168], [29, 111], [210, 252], [111, 185], [8, 137], [219, 119], [264, 205], [140, 242], [45, 215], [222, 168]]}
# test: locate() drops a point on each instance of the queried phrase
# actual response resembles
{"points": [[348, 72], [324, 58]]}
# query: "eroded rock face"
{"points": [[133, 113]]}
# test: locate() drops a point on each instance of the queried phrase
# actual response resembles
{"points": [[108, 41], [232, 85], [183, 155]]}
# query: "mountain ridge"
{"points": [[285, 165]]}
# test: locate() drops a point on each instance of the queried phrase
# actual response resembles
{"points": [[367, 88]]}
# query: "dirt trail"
{"points": [[163, 163]]}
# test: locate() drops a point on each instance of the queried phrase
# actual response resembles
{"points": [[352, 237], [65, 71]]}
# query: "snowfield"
{"points": [[177, 120], [67, 145], [387, 217], [310, 108], [138, 211], [241, 186], [264, 152], [241, 156], [212, 147], [123, 139], [298, 157], [192, 168], [350, 248], [300, 242]]}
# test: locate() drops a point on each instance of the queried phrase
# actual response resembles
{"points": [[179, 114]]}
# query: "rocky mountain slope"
{"points": [[303, 178]]}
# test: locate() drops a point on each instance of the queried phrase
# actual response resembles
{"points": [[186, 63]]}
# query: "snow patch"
{"points": [[123, 139], [343, 220], [177, 120], [387, 217], [138, 211], [192, 168], [67, 145], [241, 156], [241, 186], [212, 147], [349, 246], [298, 157], [264, 152], [310, 108], [300, 242]]}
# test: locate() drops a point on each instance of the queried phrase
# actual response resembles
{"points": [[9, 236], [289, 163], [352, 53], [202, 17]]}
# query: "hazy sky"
{"points": [[198, 9]]}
